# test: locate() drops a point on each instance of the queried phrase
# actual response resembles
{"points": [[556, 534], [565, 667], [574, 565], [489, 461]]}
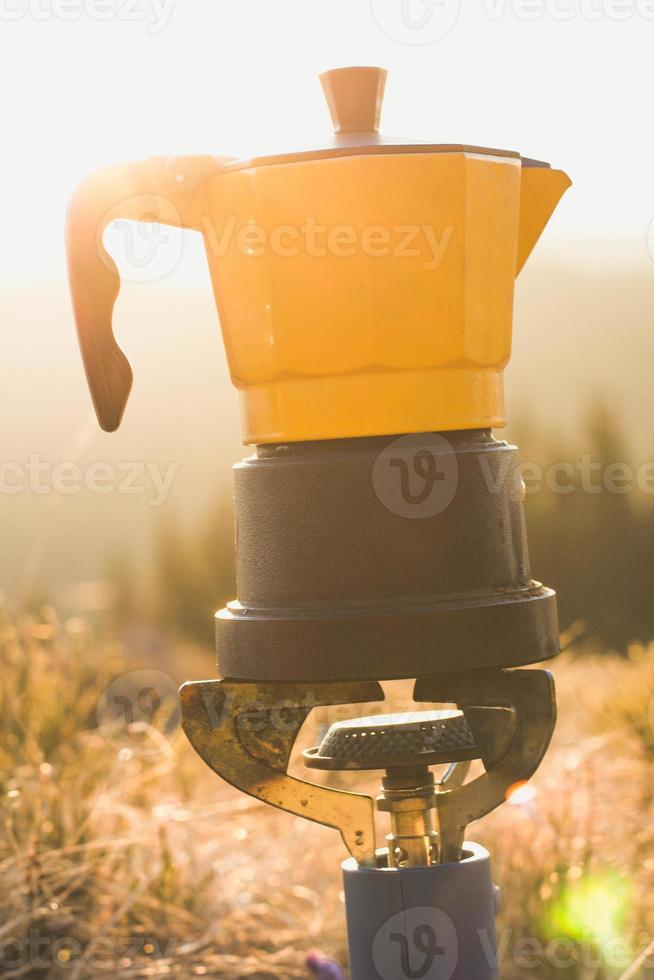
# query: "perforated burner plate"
{"points": [[384, 741]]}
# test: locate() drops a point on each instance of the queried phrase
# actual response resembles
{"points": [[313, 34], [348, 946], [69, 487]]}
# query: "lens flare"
{"points": [[521, 794], [593, 909]]}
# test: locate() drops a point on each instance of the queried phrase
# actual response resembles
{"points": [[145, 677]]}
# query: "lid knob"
{"points": [[354, 97]]}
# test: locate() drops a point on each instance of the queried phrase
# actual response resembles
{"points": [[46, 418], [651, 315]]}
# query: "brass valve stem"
{"points": [[409, 795]]}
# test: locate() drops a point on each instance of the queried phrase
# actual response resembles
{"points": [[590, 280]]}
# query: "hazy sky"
{"points": [[89, 82]]}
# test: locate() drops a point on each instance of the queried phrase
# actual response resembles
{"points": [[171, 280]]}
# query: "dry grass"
{"points": [[121, 862]]}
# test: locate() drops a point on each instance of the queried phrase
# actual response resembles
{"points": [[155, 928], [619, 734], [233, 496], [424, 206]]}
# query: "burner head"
{"points": [[422, 738]]}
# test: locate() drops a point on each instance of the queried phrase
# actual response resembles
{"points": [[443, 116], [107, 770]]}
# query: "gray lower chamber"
{"points": [[382, 558]]}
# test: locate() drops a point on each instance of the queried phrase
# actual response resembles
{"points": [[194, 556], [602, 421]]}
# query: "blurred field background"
{"points": [[121, 855]]}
